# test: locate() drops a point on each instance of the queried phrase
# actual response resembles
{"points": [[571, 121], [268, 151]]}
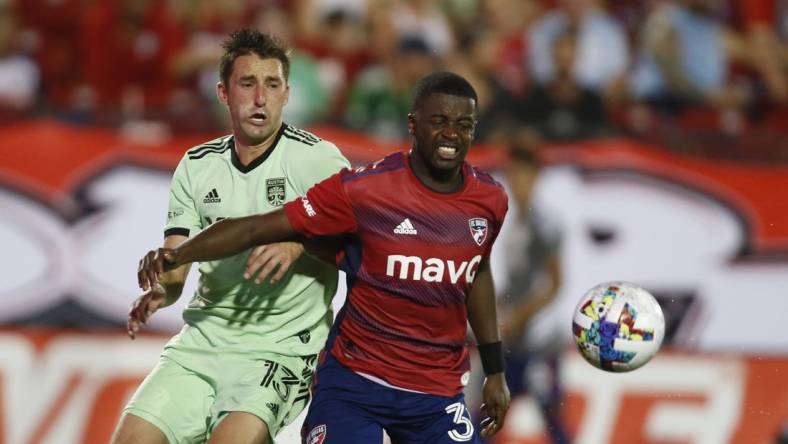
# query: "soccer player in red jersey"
{"points": [[418, 229]]}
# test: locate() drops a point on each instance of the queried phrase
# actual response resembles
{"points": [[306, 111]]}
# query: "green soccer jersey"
{"points": [[228, 312]]}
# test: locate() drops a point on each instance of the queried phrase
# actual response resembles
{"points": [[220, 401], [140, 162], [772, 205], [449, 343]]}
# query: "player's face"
{"points": [[442, 128], [255, 94]]}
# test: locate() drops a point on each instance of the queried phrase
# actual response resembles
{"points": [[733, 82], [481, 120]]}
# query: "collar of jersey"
{"points": [[259, 161], [440, 195]]}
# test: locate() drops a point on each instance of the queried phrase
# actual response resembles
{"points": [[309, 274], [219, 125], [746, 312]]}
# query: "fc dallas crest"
{"points": [[317, 435], [478, 228]]}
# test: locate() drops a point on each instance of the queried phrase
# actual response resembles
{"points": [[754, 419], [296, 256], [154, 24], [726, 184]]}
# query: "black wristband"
{"points": [[492, 357]]}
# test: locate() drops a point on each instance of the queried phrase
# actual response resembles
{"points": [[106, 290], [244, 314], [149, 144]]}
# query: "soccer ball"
{"points": [[618, 326]]}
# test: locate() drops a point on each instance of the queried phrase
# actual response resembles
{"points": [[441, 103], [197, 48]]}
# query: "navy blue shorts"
{"points": [[350, 409]]}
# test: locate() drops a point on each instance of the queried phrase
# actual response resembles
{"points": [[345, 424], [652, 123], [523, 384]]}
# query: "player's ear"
{"points": [[221, 92], [411, 124]]}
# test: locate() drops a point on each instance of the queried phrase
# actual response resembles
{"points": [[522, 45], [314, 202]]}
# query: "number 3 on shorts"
{"points": [[460, 418]]}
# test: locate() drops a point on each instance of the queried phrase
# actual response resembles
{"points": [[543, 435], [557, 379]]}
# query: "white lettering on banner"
{"points": [[661, 237], [410, 267], [51, 394], [58, 394], [718, 383]]}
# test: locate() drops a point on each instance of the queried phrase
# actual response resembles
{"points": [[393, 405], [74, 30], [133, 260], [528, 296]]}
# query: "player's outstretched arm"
{"points": [[222, 239], [159, 296], [483, 318], [275, 260]]}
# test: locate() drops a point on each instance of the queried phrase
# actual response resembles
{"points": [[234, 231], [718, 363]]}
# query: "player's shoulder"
{"points": [[492, 190], [301, 138], [389, 164], [209, 149], [304, 144], [485, 179]]}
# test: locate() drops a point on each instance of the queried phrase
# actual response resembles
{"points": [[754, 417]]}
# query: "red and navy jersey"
{"points": [[413, 258]]}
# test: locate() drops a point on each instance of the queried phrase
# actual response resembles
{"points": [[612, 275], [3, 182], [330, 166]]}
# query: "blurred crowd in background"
{"points": [[702, 76]]}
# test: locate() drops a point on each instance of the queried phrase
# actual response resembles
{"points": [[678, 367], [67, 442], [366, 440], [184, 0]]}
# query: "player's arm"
{"points": [[323, 161], [483, 319], [225, 238], [173, 280], [159, 296], [275, 259]]}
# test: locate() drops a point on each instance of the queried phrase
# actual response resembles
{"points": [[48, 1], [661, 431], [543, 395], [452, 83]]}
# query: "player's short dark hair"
{"points": [[250, 41], [443, 82]]}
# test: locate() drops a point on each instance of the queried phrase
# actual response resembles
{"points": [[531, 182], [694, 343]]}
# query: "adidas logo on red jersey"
{"points": [[405, 227]]}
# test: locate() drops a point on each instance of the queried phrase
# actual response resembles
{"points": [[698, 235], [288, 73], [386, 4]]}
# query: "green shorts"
{"points": [[187, 399]]}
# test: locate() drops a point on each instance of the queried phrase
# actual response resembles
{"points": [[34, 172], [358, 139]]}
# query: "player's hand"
{"points": [[142, 309], [153, 264], [495, 395], [266, 258]]}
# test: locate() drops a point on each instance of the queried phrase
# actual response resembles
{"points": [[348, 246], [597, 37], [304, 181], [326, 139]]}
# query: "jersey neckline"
{"points": [[440, 195], [259, 161]]}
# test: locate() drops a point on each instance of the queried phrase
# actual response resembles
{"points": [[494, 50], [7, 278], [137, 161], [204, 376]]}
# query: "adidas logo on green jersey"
{"points": [[212, 197]]}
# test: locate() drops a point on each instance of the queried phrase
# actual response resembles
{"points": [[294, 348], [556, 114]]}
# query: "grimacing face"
{"points": [[255, 94], [443, 127]]}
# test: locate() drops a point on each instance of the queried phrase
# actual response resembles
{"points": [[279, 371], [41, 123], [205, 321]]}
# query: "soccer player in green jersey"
{"points": [[241, 367]]}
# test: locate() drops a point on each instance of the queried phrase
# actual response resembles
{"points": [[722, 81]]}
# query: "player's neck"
{"points": [[448, 181], [247, 152]]}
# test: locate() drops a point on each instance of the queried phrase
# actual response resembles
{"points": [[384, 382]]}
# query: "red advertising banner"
{"points": [[709, 238], [59, 387]]}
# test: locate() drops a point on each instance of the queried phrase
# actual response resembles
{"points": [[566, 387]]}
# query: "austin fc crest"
{"points": [[275, 191], [478, 228]]}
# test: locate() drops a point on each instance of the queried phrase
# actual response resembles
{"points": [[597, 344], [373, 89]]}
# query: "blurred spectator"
{"points": [[52, 30], [127, 48], [511, 19], [761, 21], [309, 97], [602, 52], [395, 19], [686, 55], [534, 278], [477, 60], [19, 74], [336, 36], [202, 26], [560, 109], [382, 94]]}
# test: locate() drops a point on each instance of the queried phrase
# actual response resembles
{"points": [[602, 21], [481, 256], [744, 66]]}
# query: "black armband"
{"points": [[492, 357]]}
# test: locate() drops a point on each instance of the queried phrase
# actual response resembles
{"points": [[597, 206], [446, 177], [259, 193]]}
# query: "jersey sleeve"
{"points": [[500, 215], [325, 210], [323, 160], [182, 217]]}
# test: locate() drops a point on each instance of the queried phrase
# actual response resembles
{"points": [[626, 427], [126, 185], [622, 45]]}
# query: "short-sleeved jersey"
{"points": [[292, 316], [411, 263]]}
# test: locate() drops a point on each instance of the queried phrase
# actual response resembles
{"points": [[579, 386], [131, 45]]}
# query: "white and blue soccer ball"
{"points": [[618, 326]]}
